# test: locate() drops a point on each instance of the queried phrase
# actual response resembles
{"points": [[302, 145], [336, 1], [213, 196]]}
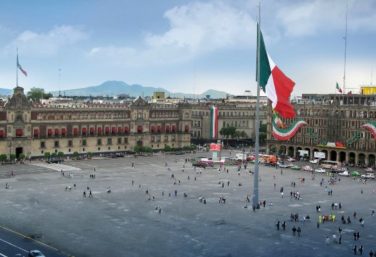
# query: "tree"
{"points": [[232, 131], [75, 155], [47, 155], [60, 155], [12, 157], [36, 94], [243, 134], [262, 133], [3, 158], [22, 156], [167, 148]]}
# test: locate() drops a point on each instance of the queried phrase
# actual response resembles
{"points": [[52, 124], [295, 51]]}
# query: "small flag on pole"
{"points": [[338, 88], [20, 67]]}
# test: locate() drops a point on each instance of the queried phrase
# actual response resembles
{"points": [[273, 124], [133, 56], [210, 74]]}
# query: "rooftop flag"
{"points": [[20, 67], [338, 88], [275, 83]]}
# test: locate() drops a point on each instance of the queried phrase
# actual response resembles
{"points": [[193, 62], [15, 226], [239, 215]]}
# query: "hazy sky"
{"points": [[185, 46]]}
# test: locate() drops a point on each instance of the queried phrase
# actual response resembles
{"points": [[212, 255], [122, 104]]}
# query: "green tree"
{"points": [[3, 158], [262, 133], [22, 156], [232, 131], [167, 148], [36, 94], [75, 155], [60, 155], [12, 157], [89, 155], [47, 155]]}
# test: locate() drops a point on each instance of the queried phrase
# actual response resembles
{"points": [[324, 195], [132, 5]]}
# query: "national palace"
{"points": [[33, 128], [334, 127]]}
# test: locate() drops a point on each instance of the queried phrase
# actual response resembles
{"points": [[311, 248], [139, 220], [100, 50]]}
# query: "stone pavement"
{"points": [[127, 221]]}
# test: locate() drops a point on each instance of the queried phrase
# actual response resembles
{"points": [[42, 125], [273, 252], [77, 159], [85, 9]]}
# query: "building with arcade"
{"points": [[341, 126]]}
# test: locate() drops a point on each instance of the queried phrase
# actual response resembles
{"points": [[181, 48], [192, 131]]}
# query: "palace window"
{"points": [[119, 140], [42, 144], [35, 133], [84, 142], [109, 141], [99, 141], [56, 144], [19, 132], [70, 143]]}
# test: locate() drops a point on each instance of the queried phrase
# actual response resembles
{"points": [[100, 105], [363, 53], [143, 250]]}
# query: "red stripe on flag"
{"points": [[283, 87]]}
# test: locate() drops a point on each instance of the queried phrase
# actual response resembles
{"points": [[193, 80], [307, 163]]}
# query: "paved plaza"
{"points": [[145, 218]]}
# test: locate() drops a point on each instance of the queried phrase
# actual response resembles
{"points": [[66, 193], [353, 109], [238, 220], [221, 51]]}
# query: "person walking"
{"points": [[299, 230], [293, 230]]}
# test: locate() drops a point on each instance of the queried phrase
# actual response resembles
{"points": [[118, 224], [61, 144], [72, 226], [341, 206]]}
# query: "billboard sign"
{"points": [[215, 147], [319, 155], [303, 153]]}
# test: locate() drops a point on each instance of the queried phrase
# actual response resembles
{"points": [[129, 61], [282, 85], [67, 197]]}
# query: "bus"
{"points": [[330, 165]]}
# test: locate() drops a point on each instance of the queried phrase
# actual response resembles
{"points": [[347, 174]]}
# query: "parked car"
{"points": [[295, 167], [35, 253], [307, 168], [355, 173], [320, 170], [344, 173], [368, 176], [282, 165], [369, 169], [290, 159], [315, 161]]}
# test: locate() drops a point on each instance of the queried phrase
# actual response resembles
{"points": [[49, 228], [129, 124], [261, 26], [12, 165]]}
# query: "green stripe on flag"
{"points": [[264, 61]]}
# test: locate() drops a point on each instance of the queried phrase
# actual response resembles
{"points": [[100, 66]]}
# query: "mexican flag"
{"points": [[213, 122], [338, 88], [20, 67], [274, 82]]}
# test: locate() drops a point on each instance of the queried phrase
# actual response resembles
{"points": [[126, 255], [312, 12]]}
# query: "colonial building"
{"points": [[33, 129], [334, 127], [240, 115]]}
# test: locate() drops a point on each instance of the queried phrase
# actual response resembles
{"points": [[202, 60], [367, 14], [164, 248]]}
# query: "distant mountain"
{"points": [[113, 88], [5, 91]]}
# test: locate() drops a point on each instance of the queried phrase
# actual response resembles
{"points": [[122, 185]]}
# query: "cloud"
{"points": [[49, 43], [194, 29], [205, 27], [306, 18]]}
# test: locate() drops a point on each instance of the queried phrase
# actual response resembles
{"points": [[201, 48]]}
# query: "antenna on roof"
{"points": [[345, 55]]}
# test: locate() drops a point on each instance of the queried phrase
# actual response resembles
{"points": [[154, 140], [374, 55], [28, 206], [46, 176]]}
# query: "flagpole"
{"points": [[17, 69], [255, 204]]}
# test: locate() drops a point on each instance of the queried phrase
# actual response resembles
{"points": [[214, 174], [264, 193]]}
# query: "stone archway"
{"points": [[361, 159], [326, 154], [333, 155], [282, 150], [298, 153], [371, 160], [290, 151], [272, 149], [309, 152], [342, 156], [351, 158]]}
